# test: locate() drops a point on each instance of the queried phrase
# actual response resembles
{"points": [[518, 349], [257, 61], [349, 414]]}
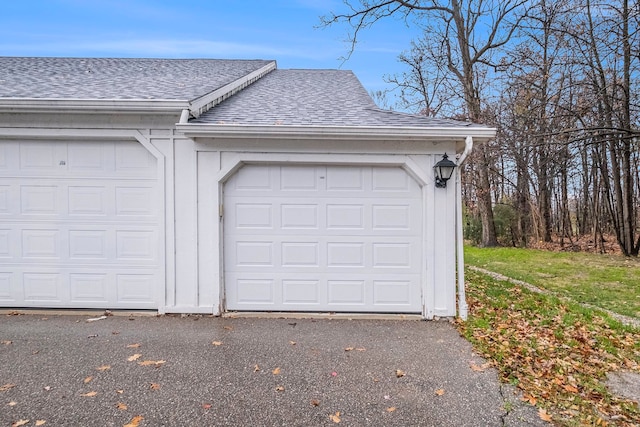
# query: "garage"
{"points": [[322, 238], [80, 225]]}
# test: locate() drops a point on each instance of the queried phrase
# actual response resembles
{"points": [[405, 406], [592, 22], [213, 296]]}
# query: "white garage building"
{"points": [[206, 186]]}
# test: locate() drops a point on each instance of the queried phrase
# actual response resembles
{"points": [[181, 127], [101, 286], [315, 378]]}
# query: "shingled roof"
{"points": [[311, 98], [119, 78], [214, 91]]}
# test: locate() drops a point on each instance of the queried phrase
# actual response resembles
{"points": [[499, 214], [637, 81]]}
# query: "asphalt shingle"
{"points": [[312, 98], [118, 78]]}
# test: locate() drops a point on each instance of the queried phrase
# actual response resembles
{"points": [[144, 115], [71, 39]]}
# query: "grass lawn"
{"points": [[556, 351], [607, 281]]}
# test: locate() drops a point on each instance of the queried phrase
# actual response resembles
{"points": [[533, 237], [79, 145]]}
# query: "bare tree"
{"points": [[469, 34]]}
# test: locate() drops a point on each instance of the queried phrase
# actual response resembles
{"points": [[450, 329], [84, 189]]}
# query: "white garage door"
{"points": [[316, 238], [79, 225]]}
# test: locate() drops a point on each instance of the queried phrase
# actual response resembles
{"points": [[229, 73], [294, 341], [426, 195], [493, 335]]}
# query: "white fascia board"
{"points": [[39, 105], [204, 103], [479, 134]]}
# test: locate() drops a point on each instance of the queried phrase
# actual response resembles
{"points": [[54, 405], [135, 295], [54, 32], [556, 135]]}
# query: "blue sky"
{"points": [[284, 30]]}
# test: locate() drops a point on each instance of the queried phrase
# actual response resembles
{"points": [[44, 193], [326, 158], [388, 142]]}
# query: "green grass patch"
{"points": [[607, 281], [556, 351]]}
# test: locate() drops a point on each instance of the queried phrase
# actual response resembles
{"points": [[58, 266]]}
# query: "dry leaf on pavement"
{"points": [[122, 406], [276, 371], [20, 423], [154, 386], [391, 409], [136, 345], [400, 373], [7, 387], [12, 403], [6, 342], [335, 417], [480, 368], [152, 362], [135, 421], [216, 343], [256, 368], [103, 368], [40, 422], [88, 379], [315, 402], [134, 357], [280, 388], [544, 416], [440, 391]]}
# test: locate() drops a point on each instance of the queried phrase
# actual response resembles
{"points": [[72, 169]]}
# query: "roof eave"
{"points": [[88, 106], [368, 133]]}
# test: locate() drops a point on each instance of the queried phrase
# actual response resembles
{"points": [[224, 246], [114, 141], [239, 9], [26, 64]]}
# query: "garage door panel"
{"points": [[333, 292], [81, 227], [7, 292], [330, 250]]}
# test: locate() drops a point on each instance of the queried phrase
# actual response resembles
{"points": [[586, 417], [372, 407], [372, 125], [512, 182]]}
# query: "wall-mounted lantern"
{"points": [[444, 169]]}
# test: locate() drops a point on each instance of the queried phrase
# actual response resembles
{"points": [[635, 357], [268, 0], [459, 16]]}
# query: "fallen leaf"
{"points": [[544, 416], [12, 403], [361, 349], [89, 394], [227, 327], [206, 406], [7, 387], [216, 343], [96, 318], [256, 368], [154, 386], [7, 342], [292, 342], [570, 388], [121, 406], [47, 388], [152, 362], [400, 373], [527, 398], [134, 357], [88, 380], [315, 402], [480, 368], [119, 391], [335, 417], [135, 421], [349, 348], [276, 371], [387, 397], [20, 423], [103, 368], [391, 409], [280, 388], [440, 391], [40, 422], [136, 345]]}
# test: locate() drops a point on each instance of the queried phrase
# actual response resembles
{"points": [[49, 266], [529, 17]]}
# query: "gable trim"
{"points": [[204, 103]]}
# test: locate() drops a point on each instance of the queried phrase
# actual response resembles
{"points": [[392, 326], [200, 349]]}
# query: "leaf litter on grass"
{"points": [[557, 353]]}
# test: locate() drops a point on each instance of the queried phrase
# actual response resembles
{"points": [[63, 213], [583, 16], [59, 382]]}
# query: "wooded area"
{"points": [[559, 80]]}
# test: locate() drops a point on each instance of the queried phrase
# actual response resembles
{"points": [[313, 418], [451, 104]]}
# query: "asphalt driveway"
{"points": [[205, 371]]}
